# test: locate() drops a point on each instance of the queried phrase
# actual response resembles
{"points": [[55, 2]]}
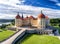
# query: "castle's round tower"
{"points": [[47, 20], [41, 22], [18, 20]]}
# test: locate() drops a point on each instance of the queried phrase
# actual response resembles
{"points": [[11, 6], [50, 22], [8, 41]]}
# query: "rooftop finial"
{"points": [[22, 16], [41, 11], [18, 13]]}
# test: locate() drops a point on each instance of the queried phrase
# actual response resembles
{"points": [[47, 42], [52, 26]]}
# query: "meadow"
{"points": [[4, 34], [39, 39]]}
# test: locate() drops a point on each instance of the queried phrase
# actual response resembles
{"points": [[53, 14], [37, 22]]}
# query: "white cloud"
{"points": [[54, 0], [7, 16], [11, 2], [58, 4], [52, 13]]}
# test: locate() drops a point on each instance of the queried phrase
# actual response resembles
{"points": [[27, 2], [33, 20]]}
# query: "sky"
{"points": [[10, 8]]}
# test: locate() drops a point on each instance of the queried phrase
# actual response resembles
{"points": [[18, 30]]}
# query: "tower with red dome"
{"points": [[18, 20], [41, 21], [47, 20]]}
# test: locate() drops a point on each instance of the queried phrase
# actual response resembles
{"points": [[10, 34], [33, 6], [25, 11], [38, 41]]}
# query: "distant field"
{"points": [[39, 39], [5, 34]]}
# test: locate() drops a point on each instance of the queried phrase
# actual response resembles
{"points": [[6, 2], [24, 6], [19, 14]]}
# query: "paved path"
{"points": [[10, 40]]}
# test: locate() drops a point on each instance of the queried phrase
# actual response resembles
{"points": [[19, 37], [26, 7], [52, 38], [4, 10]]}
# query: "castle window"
{"points": [[41, 22]]}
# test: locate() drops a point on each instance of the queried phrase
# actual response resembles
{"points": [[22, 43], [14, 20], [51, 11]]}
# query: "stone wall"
{"points": [[31, 31]]}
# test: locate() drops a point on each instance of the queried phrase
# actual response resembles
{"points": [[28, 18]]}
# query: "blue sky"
{"points": [[9, 8]]}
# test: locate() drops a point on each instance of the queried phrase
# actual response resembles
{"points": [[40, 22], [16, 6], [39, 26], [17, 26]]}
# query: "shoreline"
{"points": [[6, 23]]}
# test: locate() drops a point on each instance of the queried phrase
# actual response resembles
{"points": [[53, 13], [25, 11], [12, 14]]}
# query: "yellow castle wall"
{"points": [[18, 22], [41, 23], [25, 22], [34, 23]]}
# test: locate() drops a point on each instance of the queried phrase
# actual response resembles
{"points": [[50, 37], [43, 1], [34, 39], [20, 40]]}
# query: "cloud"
{"points": [[54, 0], [9, 9], [30, 10], [9, 2], [7, 16], [58, 4]]}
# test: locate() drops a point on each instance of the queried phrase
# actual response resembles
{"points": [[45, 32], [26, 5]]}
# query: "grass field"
{"points": [[40, 39], [5, 34]]}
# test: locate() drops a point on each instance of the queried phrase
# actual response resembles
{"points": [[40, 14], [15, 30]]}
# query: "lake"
{"points": [[5, 23]]}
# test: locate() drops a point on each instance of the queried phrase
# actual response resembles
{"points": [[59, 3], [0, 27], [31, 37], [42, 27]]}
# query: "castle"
{"points": [[38, 25], [41, 21]]}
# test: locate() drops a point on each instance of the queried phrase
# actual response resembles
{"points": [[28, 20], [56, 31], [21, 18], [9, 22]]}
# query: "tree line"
{"points": [[55, 22]]}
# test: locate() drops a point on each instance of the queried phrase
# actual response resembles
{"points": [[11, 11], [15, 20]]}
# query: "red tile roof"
{"points": [[26, 18], [18, 17], [41, 16], [46, 17], [31, 17]]}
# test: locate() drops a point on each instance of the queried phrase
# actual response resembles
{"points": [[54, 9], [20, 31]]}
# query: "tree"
{"points": [[3, 26]]}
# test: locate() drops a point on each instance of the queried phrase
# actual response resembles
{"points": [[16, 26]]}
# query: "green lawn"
{"points": [[40, 39], [5, 34]]}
